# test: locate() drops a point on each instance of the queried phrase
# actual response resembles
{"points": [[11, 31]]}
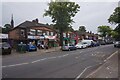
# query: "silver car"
{"points": [[117, 44]]}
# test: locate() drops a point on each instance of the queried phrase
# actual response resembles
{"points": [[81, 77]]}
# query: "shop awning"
{"points": [[50, 37]]}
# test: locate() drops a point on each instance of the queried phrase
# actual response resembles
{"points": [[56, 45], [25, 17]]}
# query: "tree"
{"points": [[61, 14], [104, 30], [115, 19], [6, 29], [82, 29]]}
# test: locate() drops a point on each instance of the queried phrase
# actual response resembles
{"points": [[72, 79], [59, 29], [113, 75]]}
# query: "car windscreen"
{"points": [[5, 45]]}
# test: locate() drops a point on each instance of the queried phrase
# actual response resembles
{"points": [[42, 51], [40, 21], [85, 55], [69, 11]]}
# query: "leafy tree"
{"points": [[115, 19], [6, 29], [82, 29], [104, 30], [61, 14]]}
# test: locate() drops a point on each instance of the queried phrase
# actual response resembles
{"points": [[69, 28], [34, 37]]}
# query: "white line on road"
{"points": [[35, 61], [15, 65], [82, 73], [101, 66]]}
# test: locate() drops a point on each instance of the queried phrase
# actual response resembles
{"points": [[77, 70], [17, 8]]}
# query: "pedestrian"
{"points": [[39, 45], [46, 45]]}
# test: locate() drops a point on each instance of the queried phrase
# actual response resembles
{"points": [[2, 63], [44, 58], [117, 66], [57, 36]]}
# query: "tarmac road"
{"points": [[60, 64]]}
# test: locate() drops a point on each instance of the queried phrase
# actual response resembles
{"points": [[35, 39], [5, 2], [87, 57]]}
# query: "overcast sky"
{"points": [[91, 14]]}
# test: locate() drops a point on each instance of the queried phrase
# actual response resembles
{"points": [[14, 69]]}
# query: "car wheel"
{"points": [[69, 49], [10, 52], [82, 47], [114, 45], [35, 49]]}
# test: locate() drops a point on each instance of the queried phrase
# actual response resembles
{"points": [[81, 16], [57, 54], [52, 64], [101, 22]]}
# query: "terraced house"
{"points": [[30, 31]]}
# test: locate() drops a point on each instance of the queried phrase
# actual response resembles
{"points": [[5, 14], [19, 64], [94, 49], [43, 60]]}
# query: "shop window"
{"points": [[64, 34]]}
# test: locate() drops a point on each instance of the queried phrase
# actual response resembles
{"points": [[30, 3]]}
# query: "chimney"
{"points": [[36, 20]]}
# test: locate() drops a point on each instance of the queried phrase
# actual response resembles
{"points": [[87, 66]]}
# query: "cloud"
{"points": [[91, 14]]}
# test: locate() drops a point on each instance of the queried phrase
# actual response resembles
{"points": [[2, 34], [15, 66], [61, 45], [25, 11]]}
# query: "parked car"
{"points": [[69, 47], [117, 44], [81, 45], [31, 47], [102, 42], [89, 42], [96, 43], [5, 48]]}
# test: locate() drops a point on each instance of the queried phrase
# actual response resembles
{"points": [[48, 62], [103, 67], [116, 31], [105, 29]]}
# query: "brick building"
{"points": [[30, 31]]}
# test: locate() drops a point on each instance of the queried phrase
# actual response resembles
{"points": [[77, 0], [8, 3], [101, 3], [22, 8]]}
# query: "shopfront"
{"points": [[36, 39], [51, 40]]}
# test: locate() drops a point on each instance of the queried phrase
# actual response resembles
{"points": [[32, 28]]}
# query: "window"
{"points": [[44, 34], [51, 33], [32, 31], [47, 32], [22, 32], [64, 34], [39, 32]]}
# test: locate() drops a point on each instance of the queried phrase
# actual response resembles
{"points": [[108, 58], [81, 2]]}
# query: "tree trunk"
{"points": [[61, 38]]}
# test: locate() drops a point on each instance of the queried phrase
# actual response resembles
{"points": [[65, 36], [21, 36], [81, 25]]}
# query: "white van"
{"points": [[88, 42]]}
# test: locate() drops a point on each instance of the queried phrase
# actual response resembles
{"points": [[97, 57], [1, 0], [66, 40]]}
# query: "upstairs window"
{"points": [[51, 33], [39, 32], [22, 31], [47, 32], [32, 32]]}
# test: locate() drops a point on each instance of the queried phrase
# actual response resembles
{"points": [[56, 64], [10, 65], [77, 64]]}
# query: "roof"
{"points": [[28, 24]]}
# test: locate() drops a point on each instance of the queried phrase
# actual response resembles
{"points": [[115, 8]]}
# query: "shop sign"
{"points": [[50, 37], [3, 36], [35, 37]]}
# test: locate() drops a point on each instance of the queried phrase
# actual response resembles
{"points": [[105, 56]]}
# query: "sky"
{"points": [[92, 13]]}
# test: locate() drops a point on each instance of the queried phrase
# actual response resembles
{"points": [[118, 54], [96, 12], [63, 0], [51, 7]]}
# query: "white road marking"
{"points": [[60, 56], [112, 55], [14, 65], [38, 60], [101, 66], [76, 57], [35, 61], [52, 57], [82, 73]]}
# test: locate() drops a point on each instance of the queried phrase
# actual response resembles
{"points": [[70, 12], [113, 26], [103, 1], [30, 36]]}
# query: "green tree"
{"points": [[6, 29], [61, 14], [104, 30], [115, 19], [82, 29]]}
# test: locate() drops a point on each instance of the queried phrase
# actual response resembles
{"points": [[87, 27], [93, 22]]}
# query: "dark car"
{"points": [[69, 47], [102, 42], [5, 48], [96, 43], [117, 44]]}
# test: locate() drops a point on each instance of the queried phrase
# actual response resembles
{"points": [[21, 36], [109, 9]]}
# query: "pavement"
{"points": [[39, 51], [60, 64], [108, 70]]}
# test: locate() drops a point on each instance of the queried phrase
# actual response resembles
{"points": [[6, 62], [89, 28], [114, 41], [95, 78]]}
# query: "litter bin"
{"points": [[21, 48]]}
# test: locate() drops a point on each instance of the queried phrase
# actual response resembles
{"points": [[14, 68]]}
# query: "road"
{"points": [[62, 64]]}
